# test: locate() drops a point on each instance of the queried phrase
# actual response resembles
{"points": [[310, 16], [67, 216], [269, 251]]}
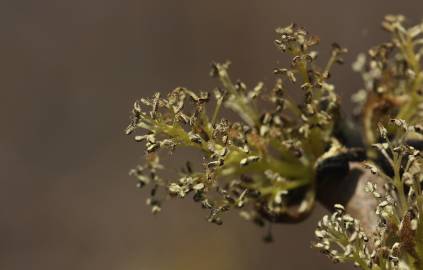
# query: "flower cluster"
{"points": [[393, 78], [264, 164], [341, 238], [397, 242]]}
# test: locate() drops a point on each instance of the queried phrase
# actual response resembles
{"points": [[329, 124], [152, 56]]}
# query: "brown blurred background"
{"points": [[70, 71]]}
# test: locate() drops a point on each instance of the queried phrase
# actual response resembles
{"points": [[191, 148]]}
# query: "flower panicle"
{"points": [[253, 163]]}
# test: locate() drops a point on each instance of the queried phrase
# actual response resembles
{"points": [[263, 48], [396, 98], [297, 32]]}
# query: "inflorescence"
{"points": [[265, 165], [393, 78], [397, 242]]}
